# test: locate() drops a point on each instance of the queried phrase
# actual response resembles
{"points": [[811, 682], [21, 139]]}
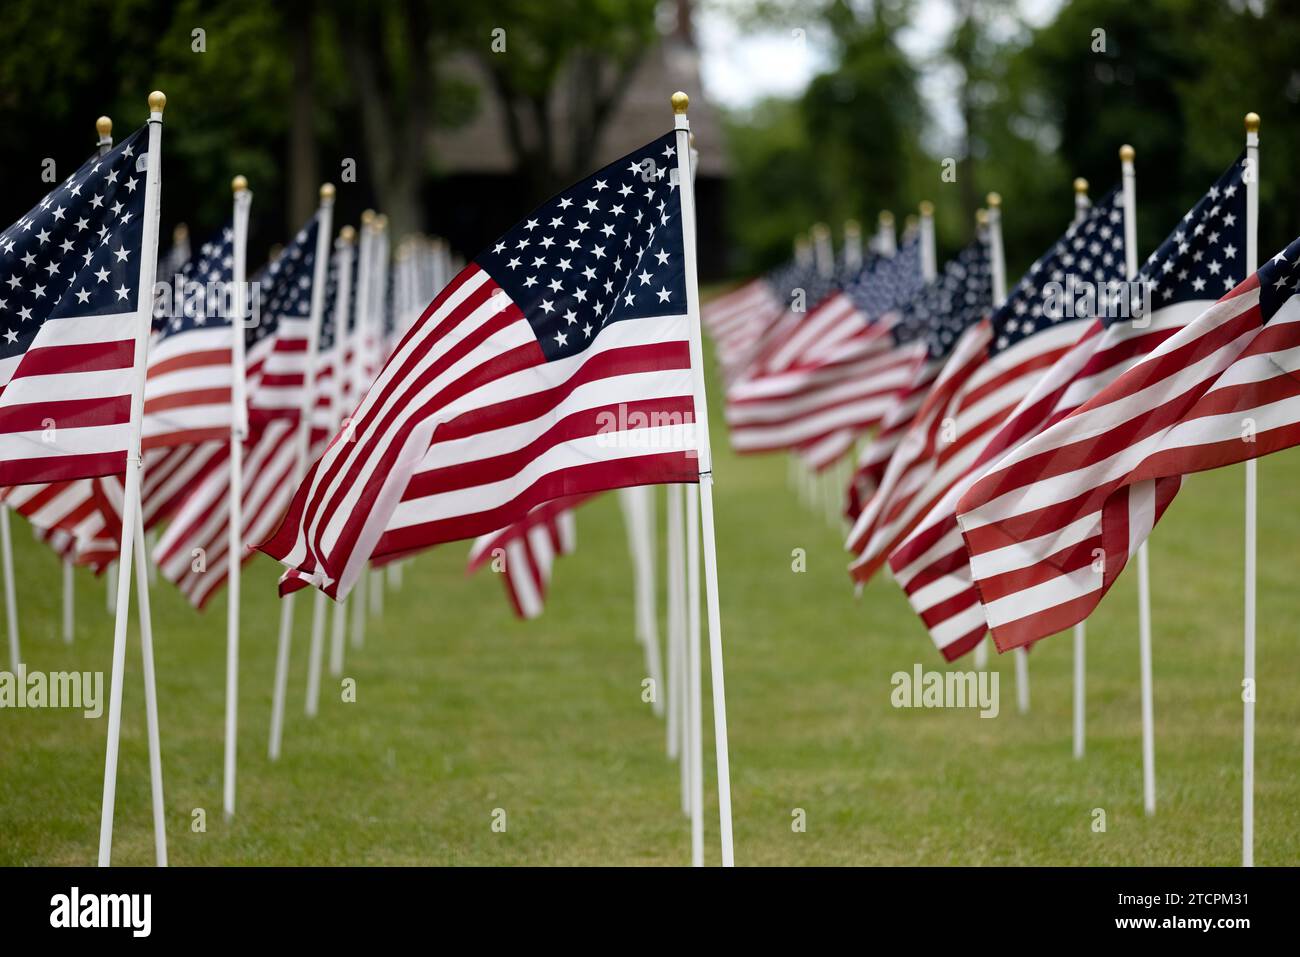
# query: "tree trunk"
{"points": [[304, 173]]}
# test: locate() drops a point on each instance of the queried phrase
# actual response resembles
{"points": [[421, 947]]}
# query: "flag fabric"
{"points": [[69, 292], [921, 340], [80, 517], [1053, 524], [187, 387], [193, 552], [527, 551], [836, 383], [993, 366], [736, 321], [557, 363], [1204, 251]]}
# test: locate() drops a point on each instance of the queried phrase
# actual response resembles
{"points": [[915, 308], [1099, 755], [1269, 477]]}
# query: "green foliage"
{"points": [[1042, 106]]}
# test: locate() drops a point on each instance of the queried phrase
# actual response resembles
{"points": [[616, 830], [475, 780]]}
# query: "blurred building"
{"points": [[477, 192]]}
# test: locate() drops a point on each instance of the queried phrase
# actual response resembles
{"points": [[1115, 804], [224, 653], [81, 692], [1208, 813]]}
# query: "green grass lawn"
{"points": [[461, 709]]}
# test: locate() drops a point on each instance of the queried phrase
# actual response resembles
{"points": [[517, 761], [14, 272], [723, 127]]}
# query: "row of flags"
{"points": [[329, 413], [1028, 440]]}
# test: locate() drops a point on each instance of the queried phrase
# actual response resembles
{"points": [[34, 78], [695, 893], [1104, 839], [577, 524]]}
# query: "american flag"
{"points": [[186, 400], [921, 338], [841, 383], [1052, 525], [932, 565], [993, 366], [527, 551], [69, 292], [736, 322], [87, 511], [193, 553], [187, 388], [557, 363]]}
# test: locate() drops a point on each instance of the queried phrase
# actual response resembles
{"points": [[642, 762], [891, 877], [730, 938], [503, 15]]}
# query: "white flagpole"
{"points": [[999, 266], [852, 244], [11, 600], [676, 581], [682, 125], [885, 234], [1126, 156], [68, 599], [150, 694], [320, 608], [681, 676], [131, 501], [1081, 206], [1248, 642], [243, 198], [929, 259], [694, 733], [320, 270], [638, 515], [694, 709]]}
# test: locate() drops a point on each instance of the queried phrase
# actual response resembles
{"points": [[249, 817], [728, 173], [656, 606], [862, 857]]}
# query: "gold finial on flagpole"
{"points": [[326, 191], [1080, 185], [1252, 122], [239, 184], [886, 218], [367, 218], [1126, 153], [981, 217], [381, 223], [681, 102], [926, 207], [104, 126], [820, 231], [180, 234], [348, 234], [994, 200], [157, 101]]}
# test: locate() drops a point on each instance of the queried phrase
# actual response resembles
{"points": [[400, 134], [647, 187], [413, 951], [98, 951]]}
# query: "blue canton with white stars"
{"points": [[607, 249], [1205, 256], [285, 284], [212, 270], [77, 252], [885, 282], [1279, 280], [1090, 252], [960, 296]]}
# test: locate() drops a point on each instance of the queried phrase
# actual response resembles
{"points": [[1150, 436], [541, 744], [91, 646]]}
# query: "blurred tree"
{"points": [[844, 150], [559, 70]]}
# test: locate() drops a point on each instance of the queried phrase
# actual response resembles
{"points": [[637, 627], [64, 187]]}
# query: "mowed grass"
{"points": [[461, 710]]}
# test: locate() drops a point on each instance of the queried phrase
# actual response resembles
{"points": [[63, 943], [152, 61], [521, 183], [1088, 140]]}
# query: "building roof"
{"points": [[642, 113]]}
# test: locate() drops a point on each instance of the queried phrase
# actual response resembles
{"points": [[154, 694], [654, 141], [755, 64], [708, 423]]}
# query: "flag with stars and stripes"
{"points": [[994, 364], [1053, 524], [556, 363], [187, 387], [1206, 250], [69, 297], [830, 379], [276, 359], [958, 297]]}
